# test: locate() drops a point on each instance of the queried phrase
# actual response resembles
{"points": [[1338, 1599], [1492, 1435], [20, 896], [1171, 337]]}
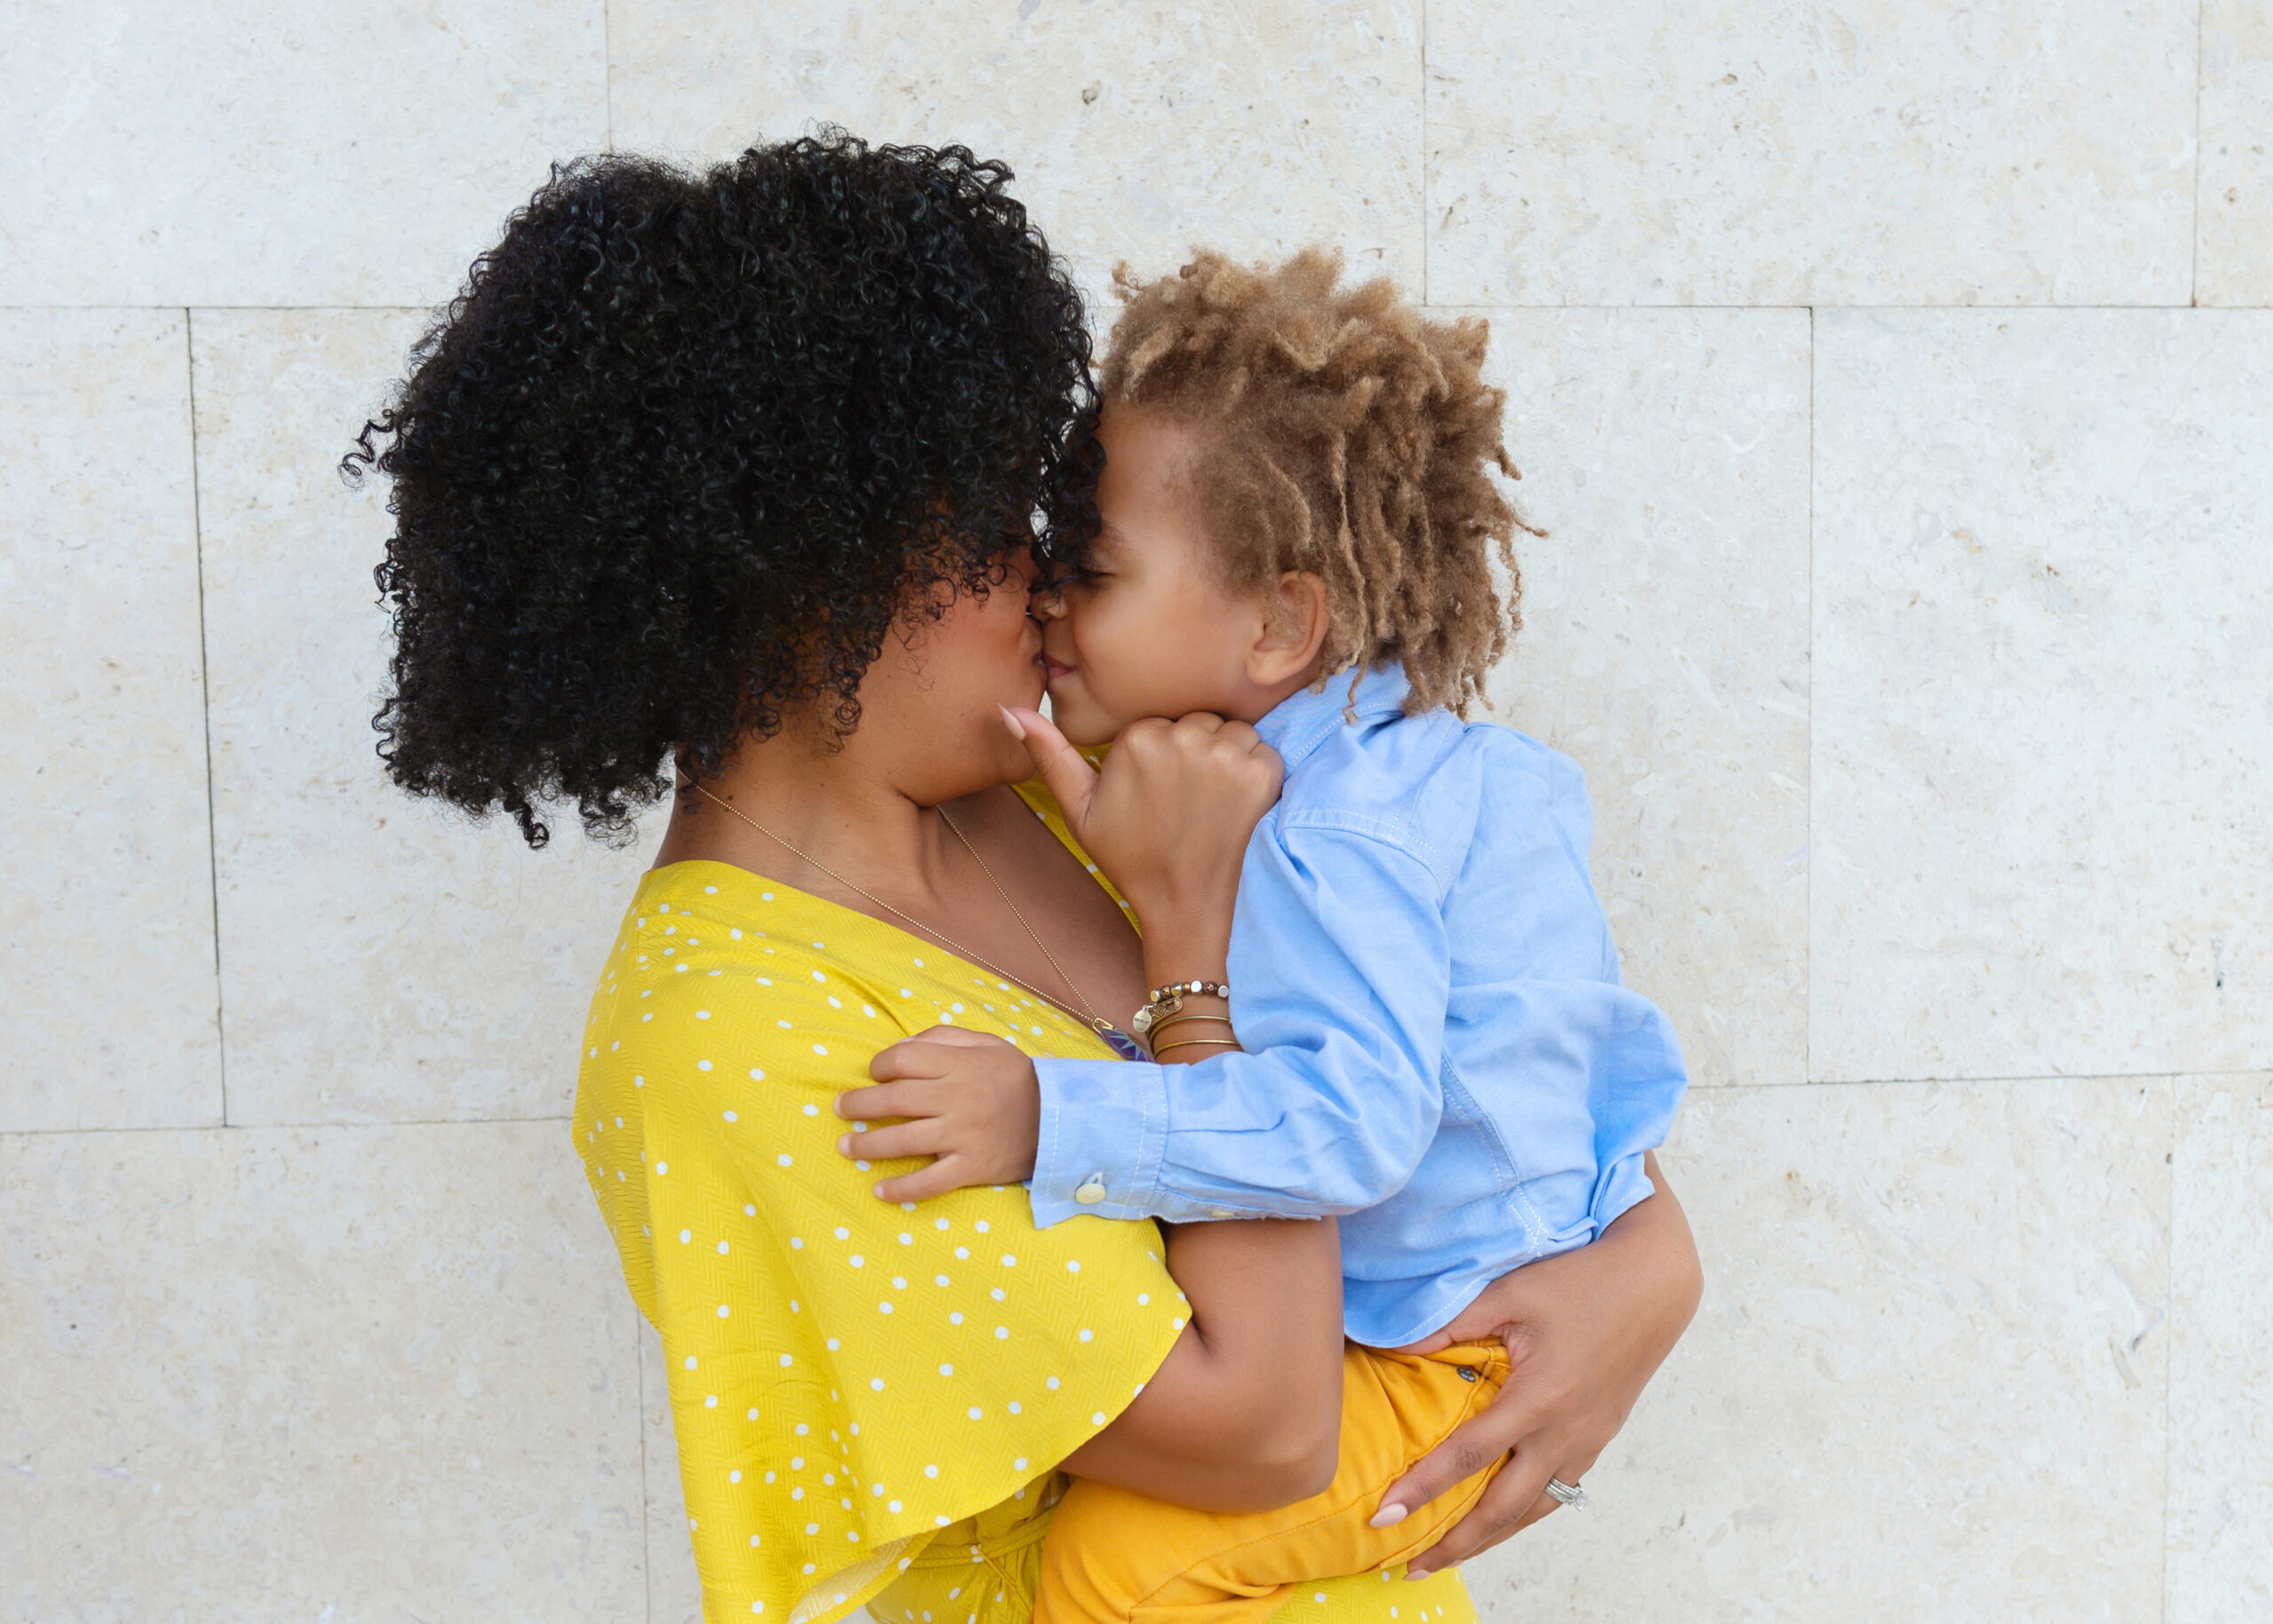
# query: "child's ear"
{"points": [[1293, 628]]}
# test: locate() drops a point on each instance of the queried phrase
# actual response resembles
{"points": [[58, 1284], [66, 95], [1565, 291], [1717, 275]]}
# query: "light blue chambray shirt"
{"points": [[1437, 1047]]}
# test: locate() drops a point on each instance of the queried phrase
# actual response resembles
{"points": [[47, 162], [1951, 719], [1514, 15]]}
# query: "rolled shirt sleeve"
{"points": [[1342, 973]]}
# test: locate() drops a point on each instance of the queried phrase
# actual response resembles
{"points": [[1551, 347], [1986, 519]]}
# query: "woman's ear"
{"points": [[1293, 630]]}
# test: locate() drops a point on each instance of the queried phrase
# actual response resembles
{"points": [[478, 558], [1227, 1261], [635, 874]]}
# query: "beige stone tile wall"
{"points": [[2044, 794], [1869, 153], [1919, 658], [230, 152], [2220, 1520], [1931, 1364], [2234, 191], [1137, 128], [106, 859], [260, 1373]]}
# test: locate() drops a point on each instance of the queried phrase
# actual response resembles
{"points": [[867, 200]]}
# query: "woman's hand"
{"points": [[1168, 820], [1584, 1331]]}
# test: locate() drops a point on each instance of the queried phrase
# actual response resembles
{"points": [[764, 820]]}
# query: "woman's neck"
{"points": [[864, 820], [805, 807]]}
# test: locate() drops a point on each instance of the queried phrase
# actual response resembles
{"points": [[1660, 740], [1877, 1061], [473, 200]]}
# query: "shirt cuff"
{"points": [[1625, 1186], [1103, 1133]]}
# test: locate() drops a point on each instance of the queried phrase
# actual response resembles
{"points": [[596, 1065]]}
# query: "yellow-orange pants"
{"points": [[1113, 1554]]}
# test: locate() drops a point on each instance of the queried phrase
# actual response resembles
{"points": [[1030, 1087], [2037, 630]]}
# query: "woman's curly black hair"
{"points": [[688, 445]]}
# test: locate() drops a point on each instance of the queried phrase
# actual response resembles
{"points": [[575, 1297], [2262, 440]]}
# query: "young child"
{"points": [[1424, 1032]]}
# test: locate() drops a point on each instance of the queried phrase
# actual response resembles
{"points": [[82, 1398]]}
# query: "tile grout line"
{"points": [[2006, 1077], [1628, 305], [1631, 307], [2170, 1352], [367, 1124], [2194, 232], [370, 1125], [256, 309], [205, 712], [1807, 884]]}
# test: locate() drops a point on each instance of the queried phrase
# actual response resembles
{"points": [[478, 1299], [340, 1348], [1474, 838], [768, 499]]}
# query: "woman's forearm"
{"points": [[1651, 1241], [1645, 1269], [1675, 1246], [1245, 1412]]}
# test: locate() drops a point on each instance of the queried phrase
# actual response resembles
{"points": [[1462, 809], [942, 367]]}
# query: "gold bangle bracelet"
{"points": [[1161, 1049], [1178, 1020]]}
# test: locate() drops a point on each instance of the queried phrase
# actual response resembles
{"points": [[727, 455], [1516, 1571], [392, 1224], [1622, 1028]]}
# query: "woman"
{"points": [[752, 471]]}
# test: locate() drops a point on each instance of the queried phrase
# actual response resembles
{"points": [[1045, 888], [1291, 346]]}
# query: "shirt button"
{"points": [[1092, 1190]]}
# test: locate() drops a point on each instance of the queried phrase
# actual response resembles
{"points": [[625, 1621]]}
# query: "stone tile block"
{"points": [[1136, 131], [2044, 689], [1665, 647], [1943, 153], [1927, 1380], [225, 151], [281, 1373], [381, 959], [106, 855], [2220, 1518], [2234, 255]]}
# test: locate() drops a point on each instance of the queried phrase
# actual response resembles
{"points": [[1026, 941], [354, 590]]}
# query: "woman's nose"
{"points": [[1046, 603]]}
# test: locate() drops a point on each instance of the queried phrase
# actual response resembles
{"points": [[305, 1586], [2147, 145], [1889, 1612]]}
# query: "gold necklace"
{"points": [[1118, 1041]]}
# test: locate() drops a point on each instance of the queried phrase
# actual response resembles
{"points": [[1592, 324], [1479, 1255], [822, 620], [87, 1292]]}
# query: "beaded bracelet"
{"points": [[1165, 1001]]}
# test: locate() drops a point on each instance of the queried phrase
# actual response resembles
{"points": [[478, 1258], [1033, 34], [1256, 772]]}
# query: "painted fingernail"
{"points": [[844, 1145], [1389, 1516], [1017, 728]]}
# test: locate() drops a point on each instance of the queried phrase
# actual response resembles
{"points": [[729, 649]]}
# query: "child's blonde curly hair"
{"points": [[1344, 434]]}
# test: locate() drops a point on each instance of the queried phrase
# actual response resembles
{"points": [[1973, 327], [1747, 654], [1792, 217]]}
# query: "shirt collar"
{"points": [[1297, 725]]}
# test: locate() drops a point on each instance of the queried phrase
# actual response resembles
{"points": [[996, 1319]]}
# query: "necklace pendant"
{"points": [[1120, 1042]]}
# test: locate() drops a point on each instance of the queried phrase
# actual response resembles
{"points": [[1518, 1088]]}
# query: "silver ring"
{"points": [[1570, 1493]]}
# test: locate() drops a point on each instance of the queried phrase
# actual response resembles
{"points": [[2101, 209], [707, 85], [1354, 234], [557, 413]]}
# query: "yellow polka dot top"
{"points": [[847, 1377], [864, 1394]]}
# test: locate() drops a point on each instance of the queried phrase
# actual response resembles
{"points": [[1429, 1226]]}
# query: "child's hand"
{"points": [[970, 1101], [1168, 819]]}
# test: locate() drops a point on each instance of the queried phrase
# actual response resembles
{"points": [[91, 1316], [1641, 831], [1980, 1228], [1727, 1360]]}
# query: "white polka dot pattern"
{"points": [[828, 1429]]}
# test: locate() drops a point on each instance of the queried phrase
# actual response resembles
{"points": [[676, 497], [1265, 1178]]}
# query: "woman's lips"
{"points": [[1054, 670]]}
